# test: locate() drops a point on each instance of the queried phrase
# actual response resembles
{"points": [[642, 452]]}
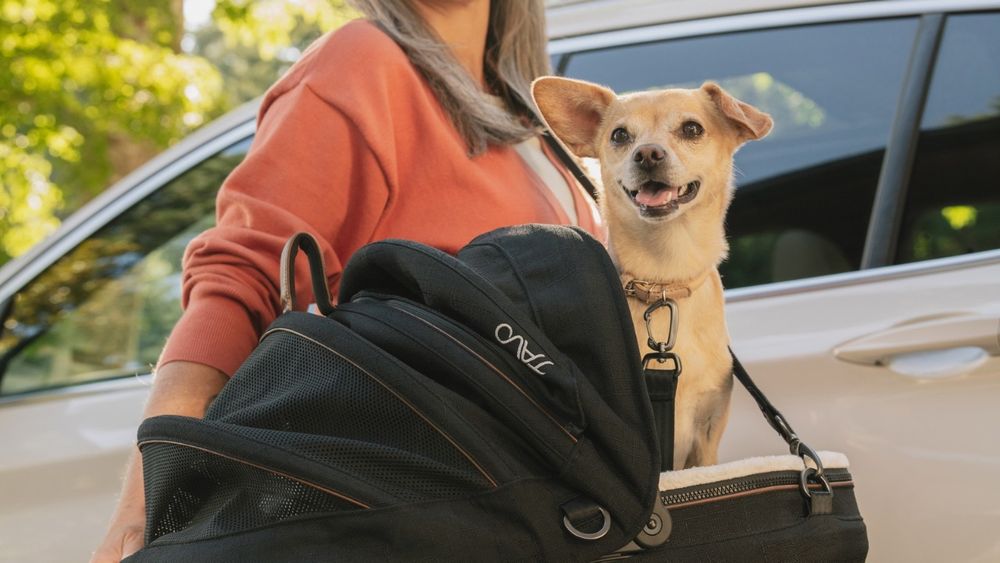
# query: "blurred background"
{"points": [[91, 89]]}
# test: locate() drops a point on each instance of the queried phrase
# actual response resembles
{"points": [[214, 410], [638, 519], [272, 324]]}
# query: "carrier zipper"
{"points": [[321, 488], [754, 485], [411, 406], [397, 306]]}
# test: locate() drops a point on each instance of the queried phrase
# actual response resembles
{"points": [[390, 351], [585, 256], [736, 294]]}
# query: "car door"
{"points": [[80, 336], [896, 365]]}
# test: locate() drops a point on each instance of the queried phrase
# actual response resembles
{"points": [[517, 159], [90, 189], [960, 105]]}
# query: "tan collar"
{"points": [[649, 291]]}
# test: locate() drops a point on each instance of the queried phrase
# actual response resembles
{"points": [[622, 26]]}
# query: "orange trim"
{"points": [[401, 399], [332, 492]]}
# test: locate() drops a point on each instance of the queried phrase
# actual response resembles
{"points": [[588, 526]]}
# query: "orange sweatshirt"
{"points": [[353, 147]]}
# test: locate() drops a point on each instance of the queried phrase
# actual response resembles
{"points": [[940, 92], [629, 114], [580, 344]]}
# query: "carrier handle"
{"points": [[317, 271]]}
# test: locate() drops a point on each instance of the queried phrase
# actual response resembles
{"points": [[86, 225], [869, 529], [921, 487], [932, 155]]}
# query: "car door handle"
{"points": [[925, 334]]}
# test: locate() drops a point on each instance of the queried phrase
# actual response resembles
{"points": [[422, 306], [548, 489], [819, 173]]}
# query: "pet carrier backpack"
{"points": [[484, 407]]}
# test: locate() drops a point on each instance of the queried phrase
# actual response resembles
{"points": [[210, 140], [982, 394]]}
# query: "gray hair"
{"points": [[515, 55]]}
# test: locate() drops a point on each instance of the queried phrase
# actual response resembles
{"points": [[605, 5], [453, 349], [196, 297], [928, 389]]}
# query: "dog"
{"points": [[666, 165]]}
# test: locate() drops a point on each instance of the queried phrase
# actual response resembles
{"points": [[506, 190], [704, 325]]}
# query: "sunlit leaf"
{"points": [[960, 216]]}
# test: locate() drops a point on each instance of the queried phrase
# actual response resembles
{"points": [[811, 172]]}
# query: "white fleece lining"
{"points": [[743, 468]]}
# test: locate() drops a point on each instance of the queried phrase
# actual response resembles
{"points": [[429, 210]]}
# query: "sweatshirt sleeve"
{"points": [[308, 169]]}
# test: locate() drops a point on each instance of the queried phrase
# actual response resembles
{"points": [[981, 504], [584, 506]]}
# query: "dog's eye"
{"points": [[620, 136], [692, 129]]}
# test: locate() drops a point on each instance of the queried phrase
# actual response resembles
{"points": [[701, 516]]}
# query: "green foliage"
{"points": [[87, 79], [93, 88], [271, 26], [252, 44]]}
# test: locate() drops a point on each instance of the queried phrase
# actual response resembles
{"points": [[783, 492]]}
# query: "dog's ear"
{"points": [[573, 110], [750, 122]]}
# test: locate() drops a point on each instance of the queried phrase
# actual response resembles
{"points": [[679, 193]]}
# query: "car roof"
{"points": [[569, 18]]}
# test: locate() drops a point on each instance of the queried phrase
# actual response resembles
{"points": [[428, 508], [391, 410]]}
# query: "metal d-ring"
{"points": [[590, 536], [810, 473]]}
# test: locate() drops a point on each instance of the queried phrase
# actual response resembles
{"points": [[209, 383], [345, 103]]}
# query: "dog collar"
{"points": [[649, 291]]}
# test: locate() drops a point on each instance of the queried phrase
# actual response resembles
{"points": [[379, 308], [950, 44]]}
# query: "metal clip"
{"points": [[819, 501], [658, 346], [805, 452]]}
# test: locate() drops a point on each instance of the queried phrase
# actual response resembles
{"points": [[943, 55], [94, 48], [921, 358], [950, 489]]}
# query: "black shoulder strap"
{"points": [[569, 163], [662, 388], [774, 418], [819, 501]]}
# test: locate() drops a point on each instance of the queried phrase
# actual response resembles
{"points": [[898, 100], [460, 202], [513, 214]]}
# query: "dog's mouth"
{"points": [[657, 199]]}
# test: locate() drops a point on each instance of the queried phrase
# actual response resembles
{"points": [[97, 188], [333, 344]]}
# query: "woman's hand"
{"points": [[125, 533], [181, 388]]}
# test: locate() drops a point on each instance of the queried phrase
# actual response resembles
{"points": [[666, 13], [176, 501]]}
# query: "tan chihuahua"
{"points": [[667, 164]]}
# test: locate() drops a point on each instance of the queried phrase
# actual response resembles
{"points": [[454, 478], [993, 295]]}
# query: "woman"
{"points": [[413, 123]]}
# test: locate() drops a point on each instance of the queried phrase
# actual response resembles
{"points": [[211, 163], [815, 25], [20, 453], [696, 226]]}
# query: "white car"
{"points": [[864, 274]]}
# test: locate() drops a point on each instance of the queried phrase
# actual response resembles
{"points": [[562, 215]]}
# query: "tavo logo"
{"points": [[505, 335]]}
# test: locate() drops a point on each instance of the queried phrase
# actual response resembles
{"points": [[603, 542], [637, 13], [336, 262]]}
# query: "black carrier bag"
{"points": [[484, 407]]}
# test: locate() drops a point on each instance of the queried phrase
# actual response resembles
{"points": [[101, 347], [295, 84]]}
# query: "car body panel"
{"points": [[63, 460], [921, 448]]}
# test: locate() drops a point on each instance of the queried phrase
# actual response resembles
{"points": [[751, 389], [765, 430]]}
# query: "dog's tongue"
{"points": [[655, 196]]}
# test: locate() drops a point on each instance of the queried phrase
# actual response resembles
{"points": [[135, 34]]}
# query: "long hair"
{"points": [[515, 55]]}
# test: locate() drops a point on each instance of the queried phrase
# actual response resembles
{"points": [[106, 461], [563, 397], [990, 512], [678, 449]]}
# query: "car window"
{"points": [[106, 308], [953, 202], [804, 193]]}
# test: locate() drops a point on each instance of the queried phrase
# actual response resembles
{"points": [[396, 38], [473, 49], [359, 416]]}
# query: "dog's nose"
{"points": [[648, 156]]}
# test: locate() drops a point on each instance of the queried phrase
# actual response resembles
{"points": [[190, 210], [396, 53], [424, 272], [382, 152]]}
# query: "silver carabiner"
{"points": [[658, 346]]}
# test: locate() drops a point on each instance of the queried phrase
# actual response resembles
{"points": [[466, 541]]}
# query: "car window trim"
{"points": [[901, 146], [858, 277], [114, 202], [790, 17], [66, 392], [235, 128]]}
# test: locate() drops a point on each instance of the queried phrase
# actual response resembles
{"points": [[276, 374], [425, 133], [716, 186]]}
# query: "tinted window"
{"points": [[106, 308], [953, 202], [804, 193]]}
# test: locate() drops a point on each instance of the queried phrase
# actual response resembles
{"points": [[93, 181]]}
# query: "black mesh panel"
{"points": [[326, 409], [321, 406], [201, 495]]}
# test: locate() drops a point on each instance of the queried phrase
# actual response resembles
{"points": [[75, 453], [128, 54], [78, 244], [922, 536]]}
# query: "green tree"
{"points": [[92, 89], [253, 43]]}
